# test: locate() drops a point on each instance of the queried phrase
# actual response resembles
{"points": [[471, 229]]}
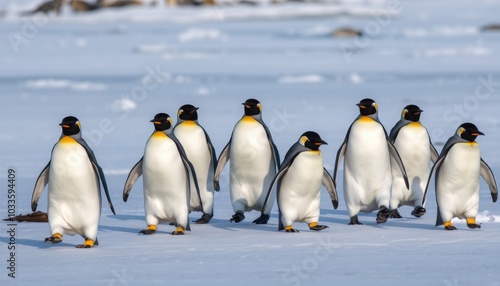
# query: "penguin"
{"points": [[73, 176], [254, 162], [413, 143], [201, 153], [299, 183], [457, 178], [367, 165], [166, 182]]}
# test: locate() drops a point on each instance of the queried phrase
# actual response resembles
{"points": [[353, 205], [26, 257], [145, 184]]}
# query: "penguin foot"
{"points": [[150, 230], [290, 229], [383, 214], [55, 238], [263, 219], [178, 231], [354, 221], [205, 218], [449, 226], [418, 211], [317, 227], [395, 214], [237, 217], [471, 223], [89, 243]]}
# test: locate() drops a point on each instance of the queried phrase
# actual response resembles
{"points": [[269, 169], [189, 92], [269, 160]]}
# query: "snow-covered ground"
{"points": [[115, 69]]}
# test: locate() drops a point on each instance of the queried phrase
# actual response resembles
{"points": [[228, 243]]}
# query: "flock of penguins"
{"points": [[181, 171]]}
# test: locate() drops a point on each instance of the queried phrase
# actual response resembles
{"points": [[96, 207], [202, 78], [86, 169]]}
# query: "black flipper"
{"points": [[489, 178], [221, 162], [395, 155], [133, 176], [41, 182], [330, 187]]}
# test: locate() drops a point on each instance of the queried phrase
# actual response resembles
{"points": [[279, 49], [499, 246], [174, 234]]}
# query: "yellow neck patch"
{"points": [[415, 124], [189, 123], [315, 151], [472, 143], [159, 134], [248, 119], [67, 140], [366, 119]]}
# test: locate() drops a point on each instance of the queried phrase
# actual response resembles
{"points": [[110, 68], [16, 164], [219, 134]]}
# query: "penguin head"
{"points": [[70, 125], [252, 107], [311, 140], [162, 122], [468, 131], [412, 113], [187, 112], [367, 107]]}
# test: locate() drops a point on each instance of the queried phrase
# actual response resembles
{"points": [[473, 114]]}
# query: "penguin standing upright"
{"points": [[167, 173], [299, 183], [74, 198], [413, 143], [367, 165], [201, 153], [457, 178], [254, 161]]}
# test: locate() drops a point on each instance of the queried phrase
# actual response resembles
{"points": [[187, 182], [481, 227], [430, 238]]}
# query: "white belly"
{"points": [[458, 180], [166, 191], [413, 146], [195, 145], [251, 165], [367, 167], [300, 187], [74, 202]]}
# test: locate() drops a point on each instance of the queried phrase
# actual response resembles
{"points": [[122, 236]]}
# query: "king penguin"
{"points": [[201, 153], [254, 162], [367, 165], [299, 183], [414, 145], [457, 178], [166, 182], [74, 197]]}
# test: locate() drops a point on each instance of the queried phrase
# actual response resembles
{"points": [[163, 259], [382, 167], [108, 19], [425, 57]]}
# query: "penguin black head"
{"points": [[311, 140], [252, 107], [70, 125], [162, 122], [411, 112], [367, 106], [188, 112], [468, 131]]}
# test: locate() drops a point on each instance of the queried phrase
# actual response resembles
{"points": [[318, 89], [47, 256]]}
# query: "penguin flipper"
{"points": [[489, 178], [276, 179], [133, 176], [211, 149], [221, 162], [190, 172], [434, 152], [330, 187], [98, 171], [394, 154], [439, 219], [433, 170], [41, 182], [274, 149], [338, 159]]}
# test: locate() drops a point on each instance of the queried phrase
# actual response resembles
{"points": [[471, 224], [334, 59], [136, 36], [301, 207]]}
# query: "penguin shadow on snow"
{"points": [[127, 217], [37, 243], [225, 224]]}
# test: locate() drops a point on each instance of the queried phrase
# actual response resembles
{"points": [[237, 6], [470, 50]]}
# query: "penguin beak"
{"points": [[360, 106], [196, 108], [155, 122], [64, 125], [418, 112], [477, 133], [320, 142]]}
